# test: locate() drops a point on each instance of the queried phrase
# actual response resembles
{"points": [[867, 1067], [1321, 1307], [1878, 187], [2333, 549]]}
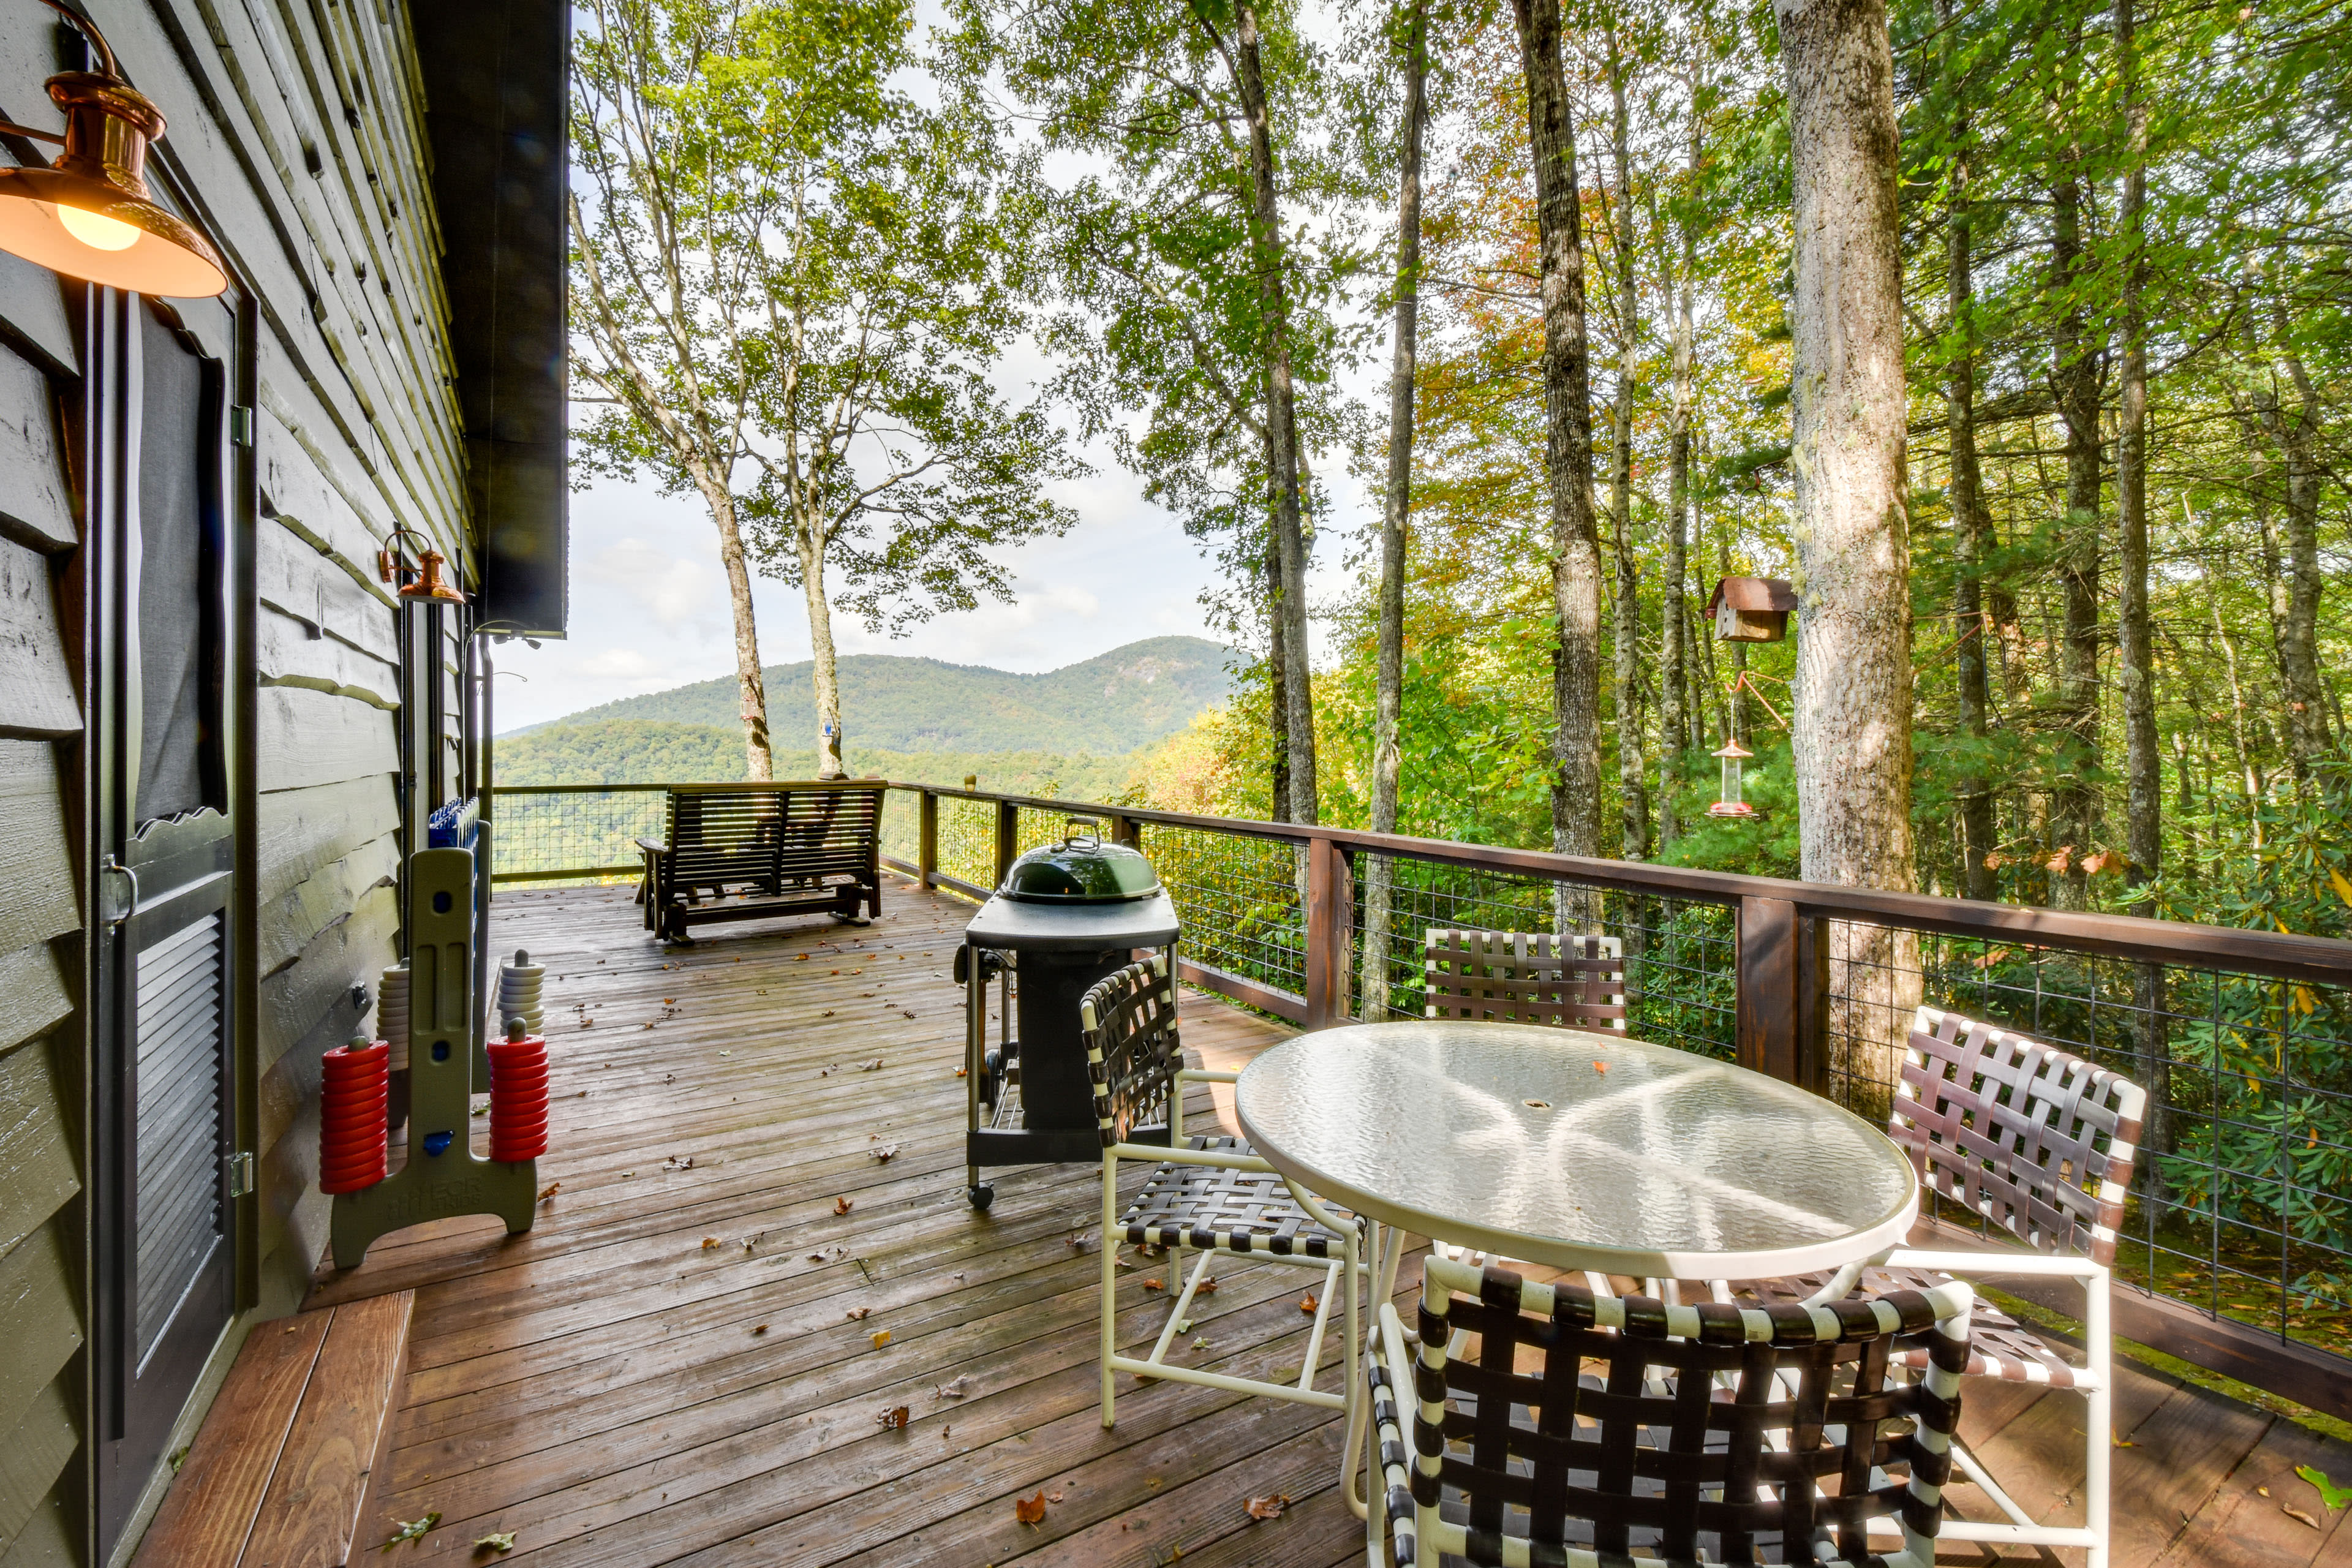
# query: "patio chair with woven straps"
{"points": [[1587, 1429], [1212, 1194], [1525, 977], [2038, 1144]]}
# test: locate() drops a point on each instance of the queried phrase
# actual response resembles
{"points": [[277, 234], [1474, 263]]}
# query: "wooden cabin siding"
{"points": [[296, 138]]}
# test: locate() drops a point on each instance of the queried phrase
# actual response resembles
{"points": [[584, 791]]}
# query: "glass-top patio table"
{"points": [[1578, 1150]]}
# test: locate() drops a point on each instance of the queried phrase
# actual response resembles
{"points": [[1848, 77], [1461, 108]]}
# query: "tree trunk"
{"points": [[2298, 639], [752, 686], [1972, 541], [1281, 418], [2074, 369], [1674, 680], [827, 668], [1567, 447], [1852, 689], [1277, 677], [1625, 631], [1388, 700]]}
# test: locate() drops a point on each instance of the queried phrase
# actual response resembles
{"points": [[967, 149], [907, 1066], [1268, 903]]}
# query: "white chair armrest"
{"points": [[1205, 1075], [1181, 1156], [1964, 1264]]}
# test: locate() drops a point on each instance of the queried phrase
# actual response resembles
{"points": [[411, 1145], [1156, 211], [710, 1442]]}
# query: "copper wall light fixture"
{"points": [[429, 585], [89, 214]]}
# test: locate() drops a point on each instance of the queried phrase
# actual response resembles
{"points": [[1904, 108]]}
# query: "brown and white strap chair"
{"points": [[1525, 977], [1588, 1430], [1212, 1193], [2039, 1143]]}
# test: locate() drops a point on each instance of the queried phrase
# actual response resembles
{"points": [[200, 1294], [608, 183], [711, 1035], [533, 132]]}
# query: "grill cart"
{"points": [[1068, 914]]}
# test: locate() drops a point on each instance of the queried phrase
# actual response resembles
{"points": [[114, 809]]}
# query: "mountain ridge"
{"points": [[1106, 705]]}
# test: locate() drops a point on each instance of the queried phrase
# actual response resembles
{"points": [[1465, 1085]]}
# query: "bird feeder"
{"points": [[1751, 609], [1730, 805]]}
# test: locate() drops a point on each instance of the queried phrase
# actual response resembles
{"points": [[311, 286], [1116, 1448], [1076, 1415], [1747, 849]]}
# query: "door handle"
{"points": [[111, 912]]}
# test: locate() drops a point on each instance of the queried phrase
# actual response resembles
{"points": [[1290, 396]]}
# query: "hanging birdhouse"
{"points": [[1751, 609], [1731, 804]]}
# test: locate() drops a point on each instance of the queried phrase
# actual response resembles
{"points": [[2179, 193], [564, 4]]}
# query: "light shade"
{"points": [[90, 215]]}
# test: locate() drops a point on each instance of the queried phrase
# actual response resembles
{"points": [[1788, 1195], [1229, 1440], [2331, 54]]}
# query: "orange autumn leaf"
{"points": [[1151, 1284], [1030, 1510], [1307, 1302], [1600, 1067], [843, 1205], [881, 1337], [1266, 1507]]}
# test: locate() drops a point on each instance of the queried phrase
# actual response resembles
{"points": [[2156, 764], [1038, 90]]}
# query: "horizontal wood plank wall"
{"points": [[41, 1239], [296, 138]]}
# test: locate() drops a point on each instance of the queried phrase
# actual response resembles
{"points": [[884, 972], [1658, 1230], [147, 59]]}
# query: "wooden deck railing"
{"points": [[2238, 1239]]}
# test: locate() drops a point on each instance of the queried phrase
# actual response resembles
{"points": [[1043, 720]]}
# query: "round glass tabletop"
{"points": [[1576, 1150]]}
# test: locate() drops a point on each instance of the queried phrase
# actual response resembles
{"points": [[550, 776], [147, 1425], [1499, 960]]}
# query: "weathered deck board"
{"points": [[617, 1392]]}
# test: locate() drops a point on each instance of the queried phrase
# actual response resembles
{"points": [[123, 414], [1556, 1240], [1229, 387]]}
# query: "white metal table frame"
{"points": [[1332, 1074]]}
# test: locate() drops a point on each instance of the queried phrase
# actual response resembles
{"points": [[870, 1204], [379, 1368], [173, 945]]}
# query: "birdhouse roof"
{"points": [[1753, 594]]}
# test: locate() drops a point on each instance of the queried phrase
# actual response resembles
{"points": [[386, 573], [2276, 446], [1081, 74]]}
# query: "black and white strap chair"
{"points": [[2038, 1143], [1525, 977], [1587, 1430], [1211, 1193]]}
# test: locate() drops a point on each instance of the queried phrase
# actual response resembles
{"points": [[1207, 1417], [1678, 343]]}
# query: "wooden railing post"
{"points": [[1008, 838], [1783, 983], [927, 838], [1330, 930]]}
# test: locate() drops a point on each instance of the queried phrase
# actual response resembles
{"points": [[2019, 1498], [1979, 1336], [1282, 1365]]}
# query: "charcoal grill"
{"points": [[1067, 914]]}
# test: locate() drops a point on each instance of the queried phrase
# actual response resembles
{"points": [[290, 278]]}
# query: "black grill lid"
{"points": [[1083, 869]]}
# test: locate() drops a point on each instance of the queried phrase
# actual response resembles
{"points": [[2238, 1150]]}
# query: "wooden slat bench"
{"points": [[737, 852], [294, 1449]]}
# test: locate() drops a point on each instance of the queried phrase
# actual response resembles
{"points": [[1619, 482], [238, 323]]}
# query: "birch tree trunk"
{"points": [[2074, 368], [1673, 707], [1972, 535], [1567, 447], [1281, 417], [750, 685], [1625, 631], [1852, 689], [1388, 700], [827, 669]]}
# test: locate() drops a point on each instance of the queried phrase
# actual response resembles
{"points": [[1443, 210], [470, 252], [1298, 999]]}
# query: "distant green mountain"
{"points": [[1103, 706], [649, 751]]}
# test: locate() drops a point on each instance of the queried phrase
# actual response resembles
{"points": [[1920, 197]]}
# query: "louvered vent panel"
{"points": [[179, 1117]]}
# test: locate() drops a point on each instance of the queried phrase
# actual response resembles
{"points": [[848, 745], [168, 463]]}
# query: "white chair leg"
{"points": [[1110, 1251], [2098, 1341]]}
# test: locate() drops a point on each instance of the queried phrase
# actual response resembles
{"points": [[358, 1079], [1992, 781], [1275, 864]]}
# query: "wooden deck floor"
{"points": [[686, 1362]]}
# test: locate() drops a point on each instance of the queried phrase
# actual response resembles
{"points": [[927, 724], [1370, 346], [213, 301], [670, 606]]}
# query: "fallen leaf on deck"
{"points": [[881, 1337], [1053, 1496], [910, 1012], [1307, 1302], [413, 1530], [960, 1071], [759, 1328], [893, 1419], [2262, 1491], [856, 1314], [800, 958], [709, 1242], [1078, 1240], [1030, 1510], [2294, 1512], [726, 1053], [1266, 1507], [1200, 1343], [548, 1193], [864, 994], [953, 1388], [2123, 1442], [885, 1153], [496, 1540], [1183, 1325], [843, 1205], [1151, 1284], [826, 1014], [2330, 1493], [668, 1000], [874, 1066], [1600, 1067], [481, 1110], [1207, 1287]]}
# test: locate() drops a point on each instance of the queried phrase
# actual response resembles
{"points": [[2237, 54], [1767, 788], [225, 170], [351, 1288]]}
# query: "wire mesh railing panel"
{"points": [[902, 825], [968, 840], [1238, 900], [574, 836], [2241, 1197], [1681, 956]]}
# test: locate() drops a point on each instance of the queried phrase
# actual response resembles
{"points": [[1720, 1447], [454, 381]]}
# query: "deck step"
{"points": [[279, 1476]]}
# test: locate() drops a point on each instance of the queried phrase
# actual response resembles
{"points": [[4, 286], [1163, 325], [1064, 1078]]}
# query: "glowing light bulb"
{"points": [[97, 230]]}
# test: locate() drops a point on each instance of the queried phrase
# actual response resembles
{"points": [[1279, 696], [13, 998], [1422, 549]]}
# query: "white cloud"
{"points": [[673, 587]]}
